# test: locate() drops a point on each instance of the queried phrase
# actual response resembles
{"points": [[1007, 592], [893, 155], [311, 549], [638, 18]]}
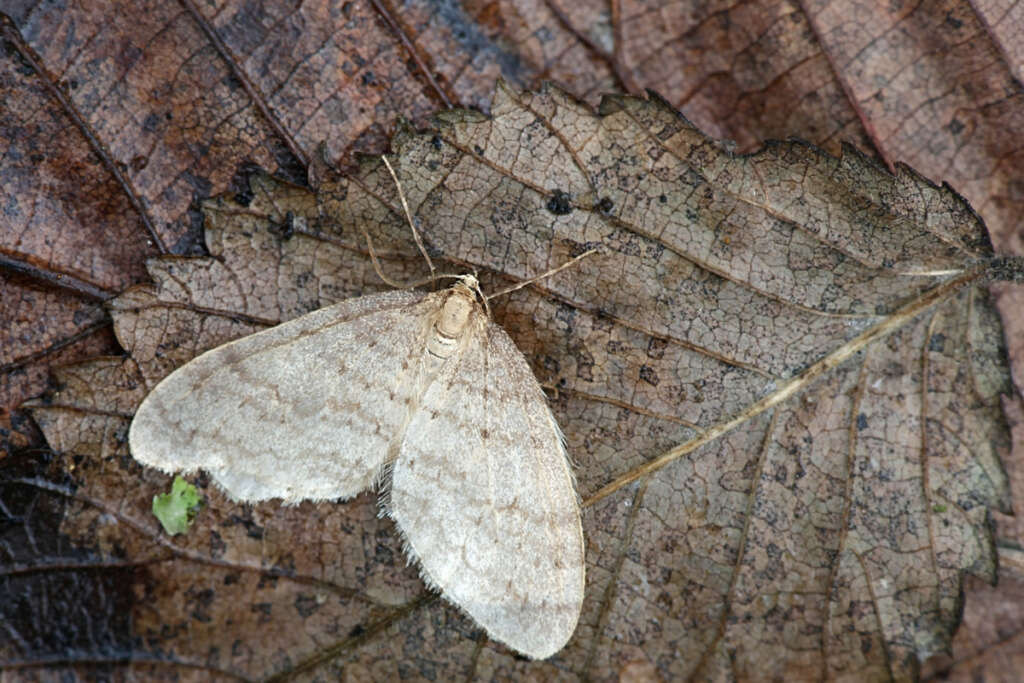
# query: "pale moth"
{"points": [[423, 393]]}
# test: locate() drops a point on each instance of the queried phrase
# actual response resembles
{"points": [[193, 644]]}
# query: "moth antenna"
{"points": [[376, 264], [549, 273], [434, 278], [479, 293], [408, 216]]}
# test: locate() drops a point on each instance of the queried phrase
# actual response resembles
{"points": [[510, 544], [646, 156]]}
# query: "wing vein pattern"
{"points": [[483, 493], [304, 410]]}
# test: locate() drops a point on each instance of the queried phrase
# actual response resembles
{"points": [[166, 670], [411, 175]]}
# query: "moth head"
{"points": [[470, 282]]}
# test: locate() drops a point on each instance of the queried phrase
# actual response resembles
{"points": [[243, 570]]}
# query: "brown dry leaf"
{"points": [[138, 110], [163, 102], [780, 381]]}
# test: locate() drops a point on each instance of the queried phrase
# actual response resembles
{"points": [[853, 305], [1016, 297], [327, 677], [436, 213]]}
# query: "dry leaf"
{"points": [[780, 383], [160, 107]]}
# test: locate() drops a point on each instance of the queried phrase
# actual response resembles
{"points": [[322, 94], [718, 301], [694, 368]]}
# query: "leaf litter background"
{"points": [[121, 122]]}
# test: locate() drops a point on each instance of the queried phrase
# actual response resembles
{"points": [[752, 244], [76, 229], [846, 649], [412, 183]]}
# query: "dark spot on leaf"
{"points": [[648, 375], [202, 600], [1005, 269], [565, 314], [263, 609], [217, 548], [478, 150], [151, 123], [201, 185], [368, 78], [955, 127], [382, 551], [605, 206], [267, 581], [577, 248], [551, 364], [121, 434], [663, 199], [484, 434], [584, 365], [656, 348], [357, 631], [232, 81], [435, 142], [81, 315], [286, 565], [284, 230], [306, 605], [560, 203], [937, 343], [24, 66], [241, 182], [862, 422], [252, 530], [11, 208]]}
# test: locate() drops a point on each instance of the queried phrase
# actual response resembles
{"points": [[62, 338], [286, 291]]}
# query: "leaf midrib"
{"points": [[887, 326]]}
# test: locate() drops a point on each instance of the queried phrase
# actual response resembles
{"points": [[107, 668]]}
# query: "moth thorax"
{"points": [[452, 321]]}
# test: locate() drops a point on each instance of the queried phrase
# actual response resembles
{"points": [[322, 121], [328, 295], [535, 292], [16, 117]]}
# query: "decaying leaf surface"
{"points": [[780, 382], [92, 248], [172, 100], [937, 79]]}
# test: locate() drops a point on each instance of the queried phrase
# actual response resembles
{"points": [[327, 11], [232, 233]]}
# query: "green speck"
{"points": [[939, 508], [176, 509]]}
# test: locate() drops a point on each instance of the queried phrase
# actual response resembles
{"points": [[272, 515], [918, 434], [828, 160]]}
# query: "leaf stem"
{"points": [[890, 324]]}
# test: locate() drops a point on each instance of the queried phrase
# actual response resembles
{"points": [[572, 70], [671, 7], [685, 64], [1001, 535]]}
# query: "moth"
{"points": [[423, 394]]}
